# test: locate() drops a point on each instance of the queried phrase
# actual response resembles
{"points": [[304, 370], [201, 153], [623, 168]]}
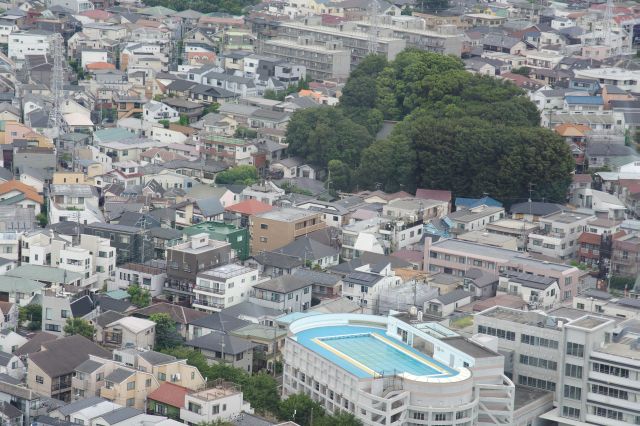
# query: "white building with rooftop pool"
{"points": [[388, 372]]}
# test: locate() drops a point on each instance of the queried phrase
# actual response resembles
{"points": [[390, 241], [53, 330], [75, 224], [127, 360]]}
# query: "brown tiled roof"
{"points": [[178, 313], [170, 394], [28, 191], [250, 207]]}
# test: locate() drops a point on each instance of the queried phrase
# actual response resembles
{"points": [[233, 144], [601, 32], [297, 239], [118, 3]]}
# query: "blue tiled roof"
{"points": [[584, 100], [469, 203]]}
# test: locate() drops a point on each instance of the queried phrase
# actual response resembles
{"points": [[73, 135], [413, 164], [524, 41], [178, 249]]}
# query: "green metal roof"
{"points": [[211, 227], [9, 284], [118, 294], [44, 273], [259, 331], [113, 134]]}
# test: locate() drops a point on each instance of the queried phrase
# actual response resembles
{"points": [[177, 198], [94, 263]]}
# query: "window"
{"points": [[39, 380], [608, 369], [571, 412], [131, 402], [194, 408], [575, 349], [263, 239], [147, 383], [162, 377], [264, 226], [418, 416], [64, 313], [499, 333], [536, 383], [440, 417], [572, 392], [131, 385], [215, 409], [571, 370], [538, 362], [48, 313], [610, 414], [538, 341], [608, 391]]}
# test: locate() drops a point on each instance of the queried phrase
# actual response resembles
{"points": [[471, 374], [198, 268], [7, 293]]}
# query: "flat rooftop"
{"points": [[522, 317], [511, 225], [226, 271], [589, 322], [188, 246], [368, 352], [287, 214], [471, 348], [566, 217]]}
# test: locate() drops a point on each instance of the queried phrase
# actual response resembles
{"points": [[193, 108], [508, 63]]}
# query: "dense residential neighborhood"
{"points": [[319, 213]]}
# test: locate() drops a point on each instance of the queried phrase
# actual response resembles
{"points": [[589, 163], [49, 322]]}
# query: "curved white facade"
{"points": [[340, 381]]}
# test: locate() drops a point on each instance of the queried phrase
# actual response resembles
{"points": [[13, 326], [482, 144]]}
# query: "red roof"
{"points": [[170, 394], [589, 238], [582, 178], [250, 207], [434, 194], [97, 14], [100, 66]]}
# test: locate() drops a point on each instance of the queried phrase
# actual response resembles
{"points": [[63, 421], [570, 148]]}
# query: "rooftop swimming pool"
{"points": [[369, 352]]}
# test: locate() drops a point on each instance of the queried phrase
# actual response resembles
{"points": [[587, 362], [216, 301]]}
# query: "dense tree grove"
{"points": [[455, 130], [234, 7]]}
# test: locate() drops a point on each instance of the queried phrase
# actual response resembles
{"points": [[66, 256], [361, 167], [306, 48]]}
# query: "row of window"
{"points": [[572, 392], [536, 383], [572, 370], [575, 349], [538, 341], [612, 392], [538, 362], [608, 369], [499, 333], [571, 412]]}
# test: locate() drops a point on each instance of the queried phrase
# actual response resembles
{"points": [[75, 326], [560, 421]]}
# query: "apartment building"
{"points": [[185, 261], [149, 277], [603, 303], [431, 41], [455, 257], [380, 235], [223, 287], [219, 403], [131, 375], [625, 255], [279, 227], [538, 292], [32, 42], [287, 293], [74, 203], [50, 371], [58, 307], [558, 234], [355, 42], [322, 61], [474, 219], [131, 244], [365, 284]]}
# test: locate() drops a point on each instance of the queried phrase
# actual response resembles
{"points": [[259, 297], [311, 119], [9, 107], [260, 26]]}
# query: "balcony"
{"points": [[213, 290], [208, 304], [175, 286], [61, 386]]}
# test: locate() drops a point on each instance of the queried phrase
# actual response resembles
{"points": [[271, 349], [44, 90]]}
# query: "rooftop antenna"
{"points": [[373, 30]]}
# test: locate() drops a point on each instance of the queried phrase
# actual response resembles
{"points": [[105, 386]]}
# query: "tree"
{"points": [[139, 296], [165, 123], [341, 418], [322, 134], [339, 175], [42, 219], [244, 174], [390, 163], [262, 390], [184, 120], [245, 133], [525, 71], [299, 408], [166, 333], [32, 315], [212, 108], [79, 326]]}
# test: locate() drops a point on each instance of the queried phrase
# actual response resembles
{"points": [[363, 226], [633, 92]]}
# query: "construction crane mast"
{"points": [[373, 29], [56, 50]]}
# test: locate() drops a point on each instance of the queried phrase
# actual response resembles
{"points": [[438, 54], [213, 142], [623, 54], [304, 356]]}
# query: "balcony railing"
{"points": [[178, 286], [210, 289], [203, 302]]}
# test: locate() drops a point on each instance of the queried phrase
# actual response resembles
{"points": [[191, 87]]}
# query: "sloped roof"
{"points": [[218, 342], [62, 356], [28, 191], [170, 394], [250, 207]]}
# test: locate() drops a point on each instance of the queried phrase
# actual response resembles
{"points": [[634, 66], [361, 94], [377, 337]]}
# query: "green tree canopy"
{"points": [[167, 335], [244, 174], [139, 296], [31, 315], [79, 326], [299, 408], [468, 133]]}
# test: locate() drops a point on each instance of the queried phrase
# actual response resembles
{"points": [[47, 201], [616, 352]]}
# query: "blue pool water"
{"points": [[358, 343]]}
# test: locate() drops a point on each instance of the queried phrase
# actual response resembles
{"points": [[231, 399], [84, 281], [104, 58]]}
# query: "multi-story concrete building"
{"points": [[221, 402], [431, 41], [359, 364], [185, 261], [32, 42], [355, 42], [223, 287], [322, 61], [380, 235], [149, 277], [237, 236], [58, 307], [538, 292], [277, 228], [474, 219], [625, 256], [558, 234], [456, 257], [287, 293]]}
